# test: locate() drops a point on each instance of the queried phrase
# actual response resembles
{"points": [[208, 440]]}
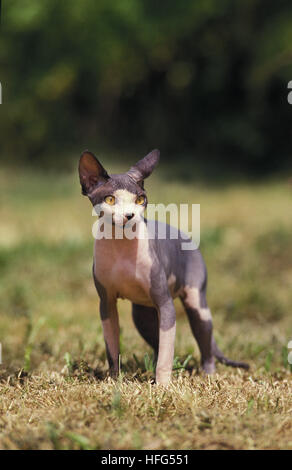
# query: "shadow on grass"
{"points": [[141, 370]]}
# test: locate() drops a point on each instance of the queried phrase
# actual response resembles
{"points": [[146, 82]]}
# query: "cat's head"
{"points": [[121, 197]]}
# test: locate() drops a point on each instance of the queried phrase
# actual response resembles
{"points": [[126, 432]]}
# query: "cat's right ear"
{"points": [[144, 167], [91, 172]]}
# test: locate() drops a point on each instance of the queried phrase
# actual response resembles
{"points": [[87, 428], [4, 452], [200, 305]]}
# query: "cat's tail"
{"points": [[224, 360]]}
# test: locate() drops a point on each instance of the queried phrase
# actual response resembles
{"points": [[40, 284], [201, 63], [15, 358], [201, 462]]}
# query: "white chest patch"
{"points": [[123, 267]]}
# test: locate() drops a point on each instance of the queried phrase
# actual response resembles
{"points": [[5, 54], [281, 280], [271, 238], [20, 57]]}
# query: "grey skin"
{"points": [[149, 273]]}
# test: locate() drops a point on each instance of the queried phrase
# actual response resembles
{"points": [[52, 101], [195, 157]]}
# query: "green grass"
{"points": [[54, 391]]}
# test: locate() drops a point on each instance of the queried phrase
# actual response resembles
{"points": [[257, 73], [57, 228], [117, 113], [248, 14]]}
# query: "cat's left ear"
{"points": [[144, 167], [91, 172]]}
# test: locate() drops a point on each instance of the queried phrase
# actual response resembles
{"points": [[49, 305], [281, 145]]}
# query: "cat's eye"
{"points": [[140, 200], [110, 200]]}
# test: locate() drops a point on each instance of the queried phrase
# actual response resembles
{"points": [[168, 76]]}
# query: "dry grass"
{"points": [[54, 392], [229, 410]]}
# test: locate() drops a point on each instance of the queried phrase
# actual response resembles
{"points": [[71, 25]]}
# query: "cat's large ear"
{"points": [[144, 167], [91, 172]]}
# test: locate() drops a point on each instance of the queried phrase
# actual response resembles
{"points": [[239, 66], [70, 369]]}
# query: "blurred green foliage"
{"points": [[200, 77]]}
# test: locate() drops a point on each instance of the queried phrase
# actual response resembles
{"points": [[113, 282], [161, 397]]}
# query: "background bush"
{"points": [[202, 78]]}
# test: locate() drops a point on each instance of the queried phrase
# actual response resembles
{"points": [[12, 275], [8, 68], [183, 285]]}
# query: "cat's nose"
{"points": [[129, 216]]}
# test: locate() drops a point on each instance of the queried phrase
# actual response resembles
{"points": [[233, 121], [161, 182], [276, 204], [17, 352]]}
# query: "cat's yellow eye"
{"points": [[110, 200], [140, 200]]}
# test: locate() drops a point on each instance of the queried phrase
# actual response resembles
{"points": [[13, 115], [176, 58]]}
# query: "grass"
{"points": [[54, 390]]}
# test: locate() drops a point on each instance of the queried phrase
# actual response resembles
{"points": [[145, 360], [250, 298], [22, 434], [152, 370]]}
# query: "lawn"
{"points": [[54, 390]]}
